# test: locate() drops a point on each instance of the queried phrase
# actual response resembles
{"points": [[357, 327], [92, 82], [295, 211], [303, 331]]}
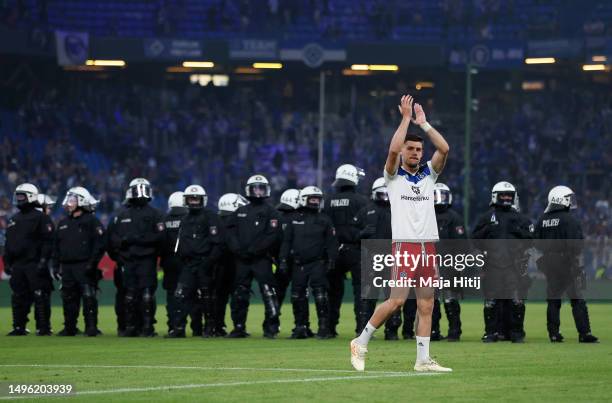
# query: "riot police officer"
{"points": [[310, 239], [255, 234], [287, 208], [450, 227], [170, 262], [78, 248], [27, 252], [225, 268], [113, 252], [45, 203], [561, 243], [138, 236], [198, 245], [374, 221], [498, 232], [342, 208]]}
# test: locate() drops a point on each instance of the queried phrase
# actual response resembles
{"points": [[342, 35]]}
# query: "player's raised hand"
{"points": [[419, 113], [405, 106]]}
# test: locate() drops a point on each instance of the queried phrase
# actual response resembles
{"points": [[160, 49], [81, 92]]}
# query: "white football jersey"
{"points": [[413, 216]]}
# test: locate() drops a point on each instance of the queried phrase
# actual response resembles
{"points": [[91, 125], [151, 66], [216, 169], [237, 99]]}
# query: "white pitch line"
{"points": [[191, 368], [226, 384]]}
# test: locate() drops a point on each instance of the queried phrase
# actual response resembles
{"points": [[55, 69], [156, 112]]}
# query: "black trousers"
{"points": [[29, 285], [348, 261]]}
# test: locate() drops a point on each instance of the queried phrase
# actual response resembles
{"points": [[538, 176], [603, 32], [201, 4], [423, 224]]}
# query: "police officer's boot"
{"points": [[322, 305], [132, 314], [553, 320], [208, 306], [581, 318], [517, 333], [490, 319], [42, 312], [392, 325], [239, 308], [19, 305], [453, 314], [90, 311], [170, 308], [435, 321], [270, 325], [409, 310], [120, 311], [299, 300], [148, 312], [70, 299]]}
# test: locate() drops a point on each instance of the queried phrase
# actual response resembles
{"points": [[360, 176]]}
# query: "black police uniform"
{"points": [[374, 221], [561, 245], [224, 278], [28, 248], [310, 239], [342, 207], [138, 235], [504, 275], [120, 290], [450, 227], [171, 265], [199, 247], [78, 247], [255, 235], [283, 277]]}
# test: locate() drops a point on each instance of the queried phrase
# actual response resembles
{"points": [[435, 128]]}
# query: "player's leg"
{"points": [[425, 305], [359, 345]]}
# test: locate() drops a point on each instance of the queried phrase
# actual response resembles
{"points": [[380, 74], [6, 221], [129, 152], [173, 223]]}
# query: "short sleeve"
{"points": [[432, 172], [389, 178]]}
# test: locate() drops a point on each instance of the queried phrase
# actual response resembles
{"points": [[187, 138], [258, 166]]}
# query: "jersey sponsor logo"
{"points": [[241, 215], [63, 226], [297, 222], [371, 212], [414, 198], [274, 223], [339, 203], [213, 230], [126, 220]]}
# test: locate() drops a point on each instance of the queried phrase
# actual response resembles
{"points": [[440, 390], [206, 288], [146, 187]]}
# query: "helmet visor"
{"points": [[258, 190], [441, 197], [20, 198]]}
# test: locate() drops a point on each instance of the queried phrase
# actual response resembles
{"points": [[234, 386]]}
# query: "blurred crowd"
{"points": [[102, 133], [318, 19]]}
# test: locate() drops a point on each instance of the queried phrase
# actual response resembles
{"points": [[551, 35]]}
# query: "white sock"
{"points": [[422, 348], [366, 334]]}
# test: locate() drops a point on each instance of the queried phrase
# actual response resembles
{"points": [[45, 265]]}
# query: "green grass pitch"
{"points": [[108, 368]]}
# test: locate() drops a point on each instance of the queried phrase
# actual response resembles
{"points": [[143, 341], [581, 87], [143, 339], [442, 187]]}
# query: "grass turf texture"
{"points": [[313, 370]]}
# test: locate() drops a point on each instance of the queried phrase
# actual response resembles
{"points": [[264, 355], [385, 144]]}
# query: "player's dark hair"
{"points": [[414, 137]]}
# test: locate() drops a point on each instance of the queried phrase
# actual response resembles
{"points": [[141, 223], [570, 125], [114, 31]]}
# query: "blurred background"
{"points": [[95, 93]]}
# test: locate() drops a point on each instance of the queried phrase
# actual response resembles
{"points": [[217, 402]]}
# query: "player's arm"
{"points": [[397, 142], [439, 158]]}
